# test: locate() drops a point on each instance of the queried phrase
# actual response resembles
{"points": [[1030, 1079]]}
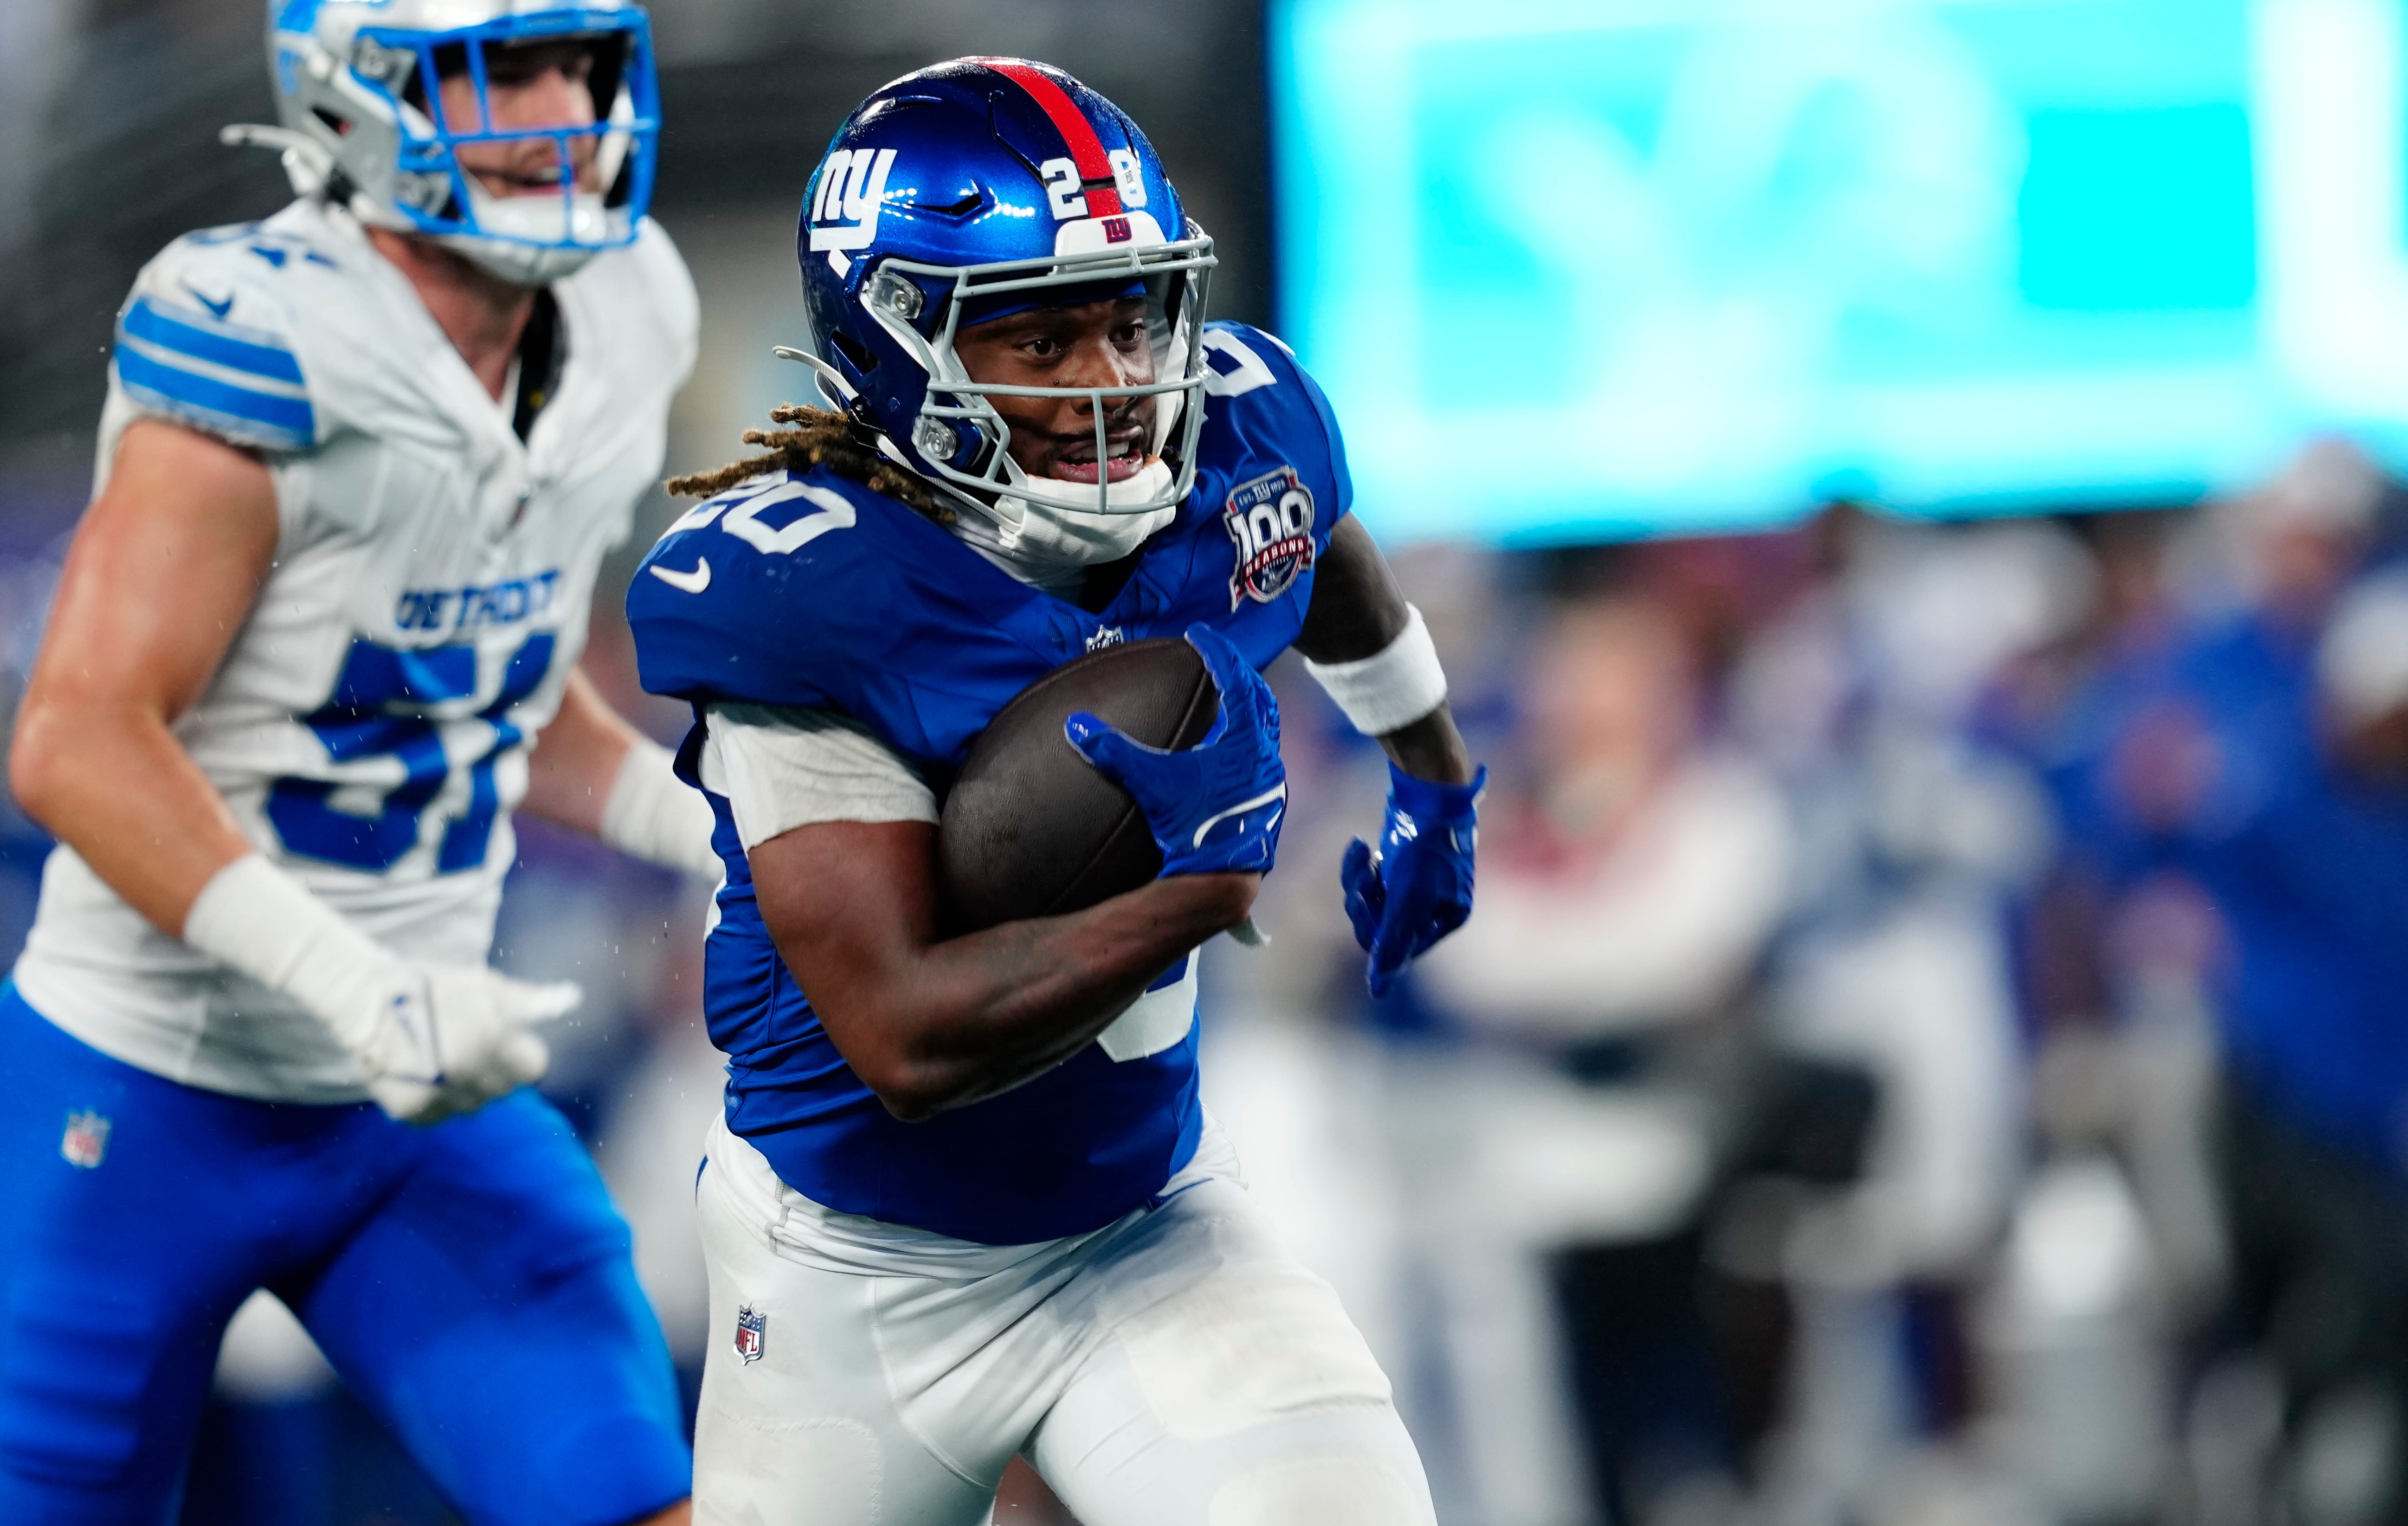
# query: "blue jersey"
{"points": [[820, 592]]}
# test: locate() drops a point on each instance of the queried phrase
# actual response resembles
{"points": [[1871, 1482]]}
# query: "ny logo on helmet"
{"points": [[851, 194], [1270, 519]]}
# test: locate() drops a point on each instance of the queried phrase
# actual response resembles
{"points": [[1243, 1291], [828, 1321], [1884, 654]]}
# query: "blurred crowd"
{"points": [[1927, 1048], [1929, 1044]]}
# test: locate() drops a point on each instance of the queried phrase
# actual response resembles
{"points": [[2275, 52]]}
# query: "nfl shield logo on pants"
{"points": [[86, 1140], [750, 1329]]}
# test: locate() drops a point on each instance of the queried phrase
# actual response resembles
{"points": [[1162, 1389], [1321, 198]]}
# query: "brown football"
{"points": [[1031, 828]]}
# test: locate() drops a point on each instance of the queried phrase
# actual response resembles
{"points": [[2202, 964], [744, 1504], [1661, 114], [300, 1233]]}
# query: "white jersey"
{"points": [[429, 595]]}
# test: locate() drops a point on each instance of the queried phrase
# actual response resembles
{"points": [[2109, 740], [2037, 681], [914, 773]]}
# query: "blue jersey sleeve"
{"points": [[1271, 485], [1345, 480], [808, 588], [1333, 438], [712, 603], [1259, 390]]}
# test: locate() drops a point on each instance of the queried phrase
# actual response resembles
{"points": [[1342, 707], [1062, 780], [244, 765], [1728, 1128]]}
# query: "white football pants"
{"points": [[1177, 1367]]}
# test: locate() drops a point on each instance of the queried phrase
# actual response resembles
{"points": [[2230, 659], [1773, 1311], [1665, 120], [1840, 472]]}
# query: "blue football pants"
{"points": [[470, 1281]]}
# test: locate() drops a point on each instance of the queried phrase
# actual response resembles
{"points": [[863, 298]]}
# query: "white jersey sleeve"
{"points": [[369, 725], [783, 768], [210, 339]]}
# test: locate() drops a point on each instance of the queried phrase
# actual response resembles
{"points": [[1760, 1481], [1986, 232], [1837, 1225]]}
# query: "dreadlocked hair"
{"points": [[817, 438]]}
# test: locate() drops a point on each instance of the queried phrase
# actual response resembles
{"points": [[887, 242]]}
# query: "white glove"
{"points": [[431, 1040], [455, 1037], [655, 815]]}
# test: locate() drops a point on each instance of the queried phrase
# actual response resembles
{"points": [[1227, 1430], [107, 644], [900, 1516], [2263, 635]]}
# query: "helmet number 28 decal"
{"points": [[381, 708], [1066, 195]]}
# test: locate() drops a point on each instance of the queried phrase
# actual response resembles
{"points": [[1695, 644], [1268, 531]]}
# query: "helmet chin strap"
{"points": [[1049, 544], [523, 265], [532, 262]]}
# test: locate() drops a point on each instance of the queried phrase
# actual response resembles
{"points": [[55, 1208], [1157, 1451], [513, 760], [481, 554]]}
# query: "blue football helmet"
{"points": [[971, 189], [358, 89]]}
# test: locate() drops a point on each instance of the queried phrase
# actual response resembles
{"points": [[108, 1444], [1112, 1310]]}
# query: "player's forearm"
{"points": [[592, 772], [1430, 748], [1357, 607], [576, 758], [1357, 613], [111, 781], [972, 1016]]}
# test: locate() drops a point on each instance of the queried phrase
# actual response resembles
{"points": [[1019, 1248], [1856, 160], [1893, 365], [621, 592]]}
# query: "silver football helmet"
{"points": [[360, 87]]}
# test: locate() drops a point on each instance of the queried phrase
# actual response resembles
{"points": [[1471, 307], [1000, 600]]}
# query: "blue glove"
{"points": [[1217, 806], [1418, 888]]}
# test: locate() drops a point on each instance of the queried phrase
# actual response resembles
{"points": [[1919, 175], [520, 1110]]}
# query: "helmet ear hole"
{"points": [[863, 360]]}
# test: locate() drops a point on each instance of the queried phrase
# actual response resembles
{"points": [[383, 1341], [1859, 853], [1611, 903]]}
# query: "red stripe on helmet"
{"points": [[1078, 133]]}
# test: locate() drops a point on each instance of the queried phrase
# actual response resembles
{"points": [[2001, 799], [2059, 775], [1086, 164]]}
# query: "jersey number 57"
{"points": [[370, 714]]}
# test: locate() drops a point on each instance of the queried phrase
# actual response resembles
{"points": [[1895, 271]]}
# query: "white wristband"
{"points": [[655, 815], [256, 919], [1394, 686]]}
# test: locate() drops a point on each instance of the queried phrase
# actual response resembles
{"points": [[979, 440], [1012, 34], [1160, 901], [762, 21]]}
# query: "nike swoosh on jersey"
{"points": [[216, 308], [687, 582]]}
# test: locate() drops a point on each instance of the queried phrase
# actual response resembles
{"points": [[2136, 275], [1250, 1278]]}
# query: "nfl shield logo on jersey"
{"points": [[1270, 519], [86, 1140], [750, 1330]]}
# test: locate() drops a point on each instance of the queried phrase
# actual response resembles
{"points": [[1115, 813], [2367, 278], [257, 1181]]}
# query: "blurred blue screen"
{"points": [[1642, 266]]}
